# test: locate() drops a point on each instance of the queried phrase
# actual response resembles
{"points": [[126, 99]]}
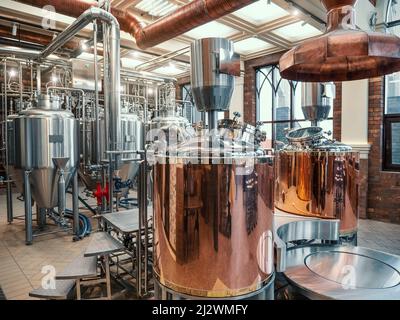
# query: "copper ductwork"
{"points": [[343, 52], [33, 37], [185, 18]]}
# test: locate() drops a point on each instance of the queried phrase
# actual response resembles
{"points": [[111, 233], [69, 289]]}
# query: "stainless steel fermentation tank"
{"points": [[213, 200], [132, 133], [39, 138], [315, 176]]}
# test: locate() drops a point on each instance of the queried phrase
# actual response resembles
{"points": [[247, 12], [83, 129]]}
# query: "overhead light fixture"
{"points": [[54, 78], [84, 46], [343, 53], [12, 73]]}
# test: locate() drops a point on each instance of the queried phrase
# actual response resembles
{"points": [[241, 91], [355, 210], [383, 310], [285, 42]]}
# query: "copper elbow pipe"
{"points": [[178, 22], [187, 17]]}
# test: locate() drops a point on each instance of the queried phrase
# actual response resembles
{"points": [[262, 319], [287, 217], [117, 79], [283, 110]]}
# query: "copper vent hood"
{"points": [[343, 52]]}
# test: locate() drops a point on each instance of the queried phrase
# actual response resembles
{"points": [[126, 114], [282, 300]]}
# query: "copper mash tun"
{"points": [[213, 199], [317, 177]]}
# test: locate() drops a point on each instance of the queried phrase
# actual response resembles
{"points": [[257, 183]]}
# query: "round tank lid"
{"points": [[367, 272], [305, 134]]}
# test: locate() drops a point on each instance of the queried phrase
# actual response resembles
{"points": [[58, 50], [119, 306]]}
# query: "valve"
{"points": [[119, 184], [99, 193]]}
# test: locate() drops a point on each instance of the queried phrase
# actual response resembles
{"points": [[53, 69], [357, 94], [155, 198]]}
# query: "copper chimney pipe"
{"points": [[185, 18], [343, 53]]}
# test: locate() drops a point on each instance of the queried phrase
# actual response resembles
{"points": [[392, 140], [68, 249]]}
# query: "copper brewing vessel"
{"points": [[344, 52], [319, 183], [213, 227]]}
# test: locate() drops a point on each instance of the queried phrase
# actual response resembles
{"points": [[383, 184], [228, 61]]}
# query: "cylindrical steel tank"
{"points": [[212, 89], [317, 177], [169, 122], [42, 135], [132, 132], [213, 220], [317, 100]]}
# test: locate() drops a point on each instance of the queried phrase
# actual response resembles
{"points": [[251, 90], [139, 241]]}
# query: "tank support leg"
{"points": [[75, 205], [10, 217], [28, 209]]}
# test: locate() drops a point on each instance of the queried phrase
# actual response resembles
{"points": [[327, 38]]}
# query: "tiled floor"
{"points": [[21, 265]]}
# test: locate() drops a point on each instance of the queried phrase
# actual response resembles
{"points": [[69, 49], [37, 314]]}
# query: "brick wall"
{"points": [[383, 187]]}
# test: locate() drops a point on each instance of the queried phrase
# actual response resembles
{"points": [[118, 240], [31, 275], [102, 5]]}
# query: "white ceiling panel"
{"points": [[168, 70], [251, 45], [156, 8], [130, 63], [261, 12], [211, 29], [297, 31], [172, 45]]}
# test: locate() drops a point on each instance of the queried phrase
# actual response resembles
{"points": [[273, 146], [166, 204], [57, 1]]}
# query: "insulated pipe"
{"points": [[185, 18], [113, 90]]}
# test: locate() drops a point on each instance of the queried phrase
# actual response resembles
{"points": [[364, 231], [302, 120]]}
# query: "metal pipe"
{"points": [[96, 92], [28, 209], [20, 83], [18, 52], [61, 193], [38, 79], [212, 119], [6, 153], [31, 73], [75, 205], [65, 89], [143, 213]]}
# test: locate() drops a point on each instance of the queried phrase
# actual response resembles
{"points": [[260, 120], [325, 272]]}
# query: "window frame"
{"points": [[293, 87], [388, 118]]}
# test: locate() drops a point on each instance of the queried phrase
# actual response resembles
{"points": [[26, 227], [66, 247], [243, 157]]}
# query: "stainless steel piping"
{"points": [[20, 83], [38, 79], [9, 184], [96, 92], [112, 91]]}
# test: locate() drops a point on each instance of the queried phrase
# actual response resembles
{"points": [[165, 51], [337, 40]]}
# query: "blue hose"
{"points": [[85, 227]]}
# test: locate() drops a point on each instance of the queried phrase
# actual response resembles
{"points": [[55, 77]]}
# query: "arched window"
{"points": [[279, 106], [391, 119]]}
